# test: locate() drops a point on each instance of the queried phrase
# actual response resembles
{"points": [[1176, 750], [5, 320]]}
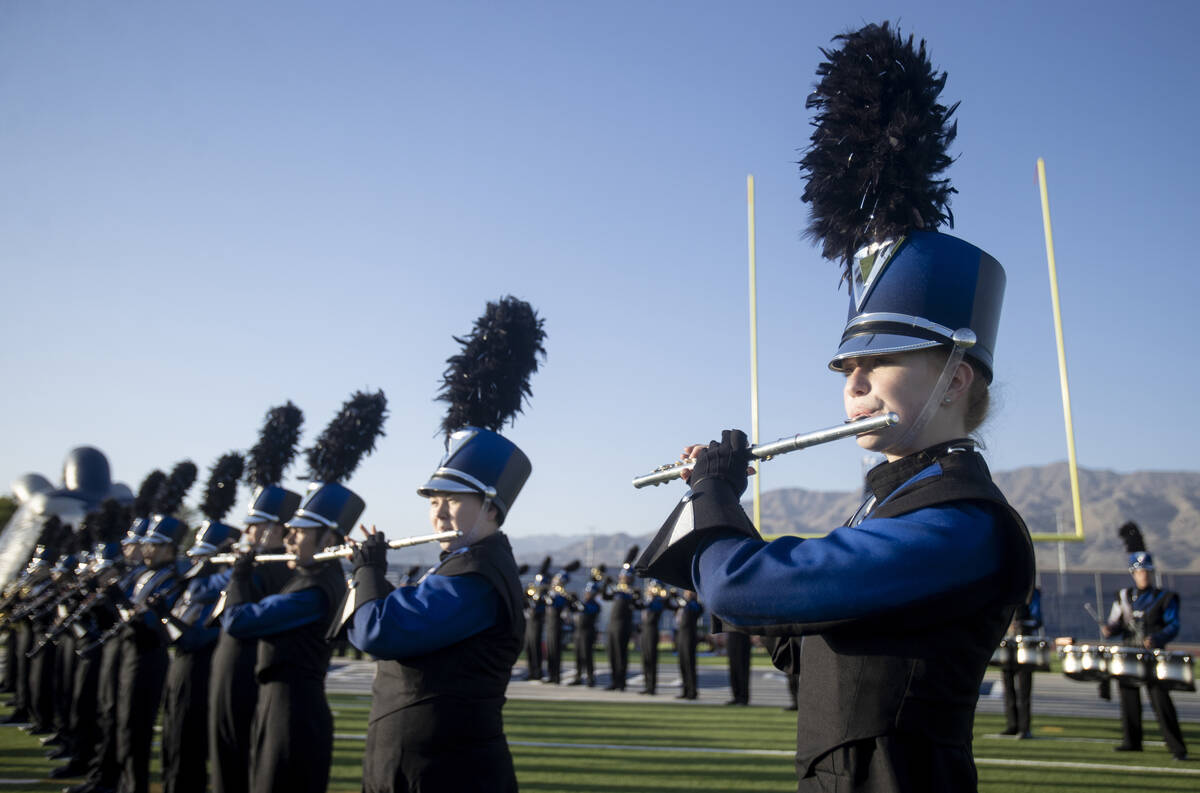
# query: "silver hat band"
{"points": [[900, 324], [313, 516]]}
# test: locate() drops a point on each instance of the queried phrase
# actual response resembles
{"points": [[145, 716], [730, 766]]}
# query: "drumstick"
{"points": [[1091, 610]]}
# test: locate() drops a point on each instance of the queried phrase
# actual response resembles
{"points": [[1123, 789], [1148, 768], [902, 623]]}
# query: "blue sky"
{"points": [[210, 208]]}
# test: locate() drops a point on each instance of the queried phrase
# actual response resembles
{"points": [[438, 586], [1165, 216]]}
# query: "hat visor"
{"points": [[441, 484], [301, 522], [869, 344], [156, 539]]}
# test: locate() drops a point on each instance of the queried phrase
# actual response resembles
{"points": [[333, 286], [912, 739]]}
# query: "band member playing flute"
{"points": [[447, 646], [292, 733], [900, 609]]}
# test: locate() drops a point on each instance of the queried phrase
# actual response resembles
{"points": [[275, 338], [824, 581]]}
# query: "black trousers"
{"points": [[1018, 691], [616, 644], [685, 644], [185, 722], [42, 684], [585, 666], [22, 642], [105, 770], [84, 721], [897, 763], [1164, 710], [9, 684], [554, 645], [737, 647], [533, 646], [649, 646], [292, 738], [140, 688], [232, 698]]}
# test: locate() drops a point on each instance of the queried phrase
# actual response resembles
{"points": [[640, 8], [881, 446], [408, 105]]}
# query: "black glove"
{"points": [[726, 460], [372, 552], [243, 568]]}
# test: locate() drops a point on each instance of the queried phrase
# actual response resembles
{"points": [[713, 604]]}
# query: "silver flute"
{"points": [[765, 451], [337, 551]]}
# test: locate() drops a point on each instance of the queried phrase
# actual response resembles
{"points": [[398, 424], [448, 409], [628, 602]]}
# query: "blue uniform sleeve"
{"points": [[275, 614], [881, 566], [437, 613], [208, 588], [1035, 612], [1171, 623]]}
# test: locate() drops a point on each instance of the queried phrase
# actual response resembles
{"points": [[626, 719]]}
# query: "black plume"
{"points": [[881, 137], [348, 438], [89, 530], [523, 569], [572, 567], [276, 446], [170, 495], [411, 573], [631, 555], [51, 533], [1131, 535], [221, 491], [113, 520], [487, 382], [544, 570], [143, 505]]}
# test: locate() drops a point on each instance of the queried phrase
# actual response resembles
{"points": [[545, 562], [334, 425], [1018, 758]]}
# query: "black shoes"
{"points": [[69, 770], [575, 682], [1025, 736], [1124, 747], [1010, 731]]}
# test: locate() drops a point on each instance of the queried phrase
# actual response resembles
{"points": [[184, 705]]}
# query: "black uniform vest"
{"points": [[1141, 625], [463, 685], [918, 669], [303, 653]]}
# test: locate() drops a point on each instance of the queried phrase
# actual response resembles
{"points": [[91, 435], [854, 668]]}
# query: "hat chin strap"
{"points": [[964, 339]]}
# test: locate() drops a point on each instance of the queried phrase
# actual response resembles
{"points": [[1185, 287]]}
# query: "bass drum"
{"points": [[1174, 670], [1084, 661]]}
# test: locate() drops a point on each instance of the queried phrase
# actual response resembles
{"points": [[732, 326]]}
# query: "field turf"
{"points": [[597, 746]]}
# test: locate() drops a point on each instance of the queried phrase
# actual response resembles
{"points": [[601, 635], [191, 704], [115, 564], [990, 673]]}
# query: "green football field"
{"points": [[601, 746]]}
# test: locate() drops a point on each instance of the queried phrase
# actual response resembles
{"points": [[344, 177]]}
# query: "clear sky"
{"points": [[210, 208]]}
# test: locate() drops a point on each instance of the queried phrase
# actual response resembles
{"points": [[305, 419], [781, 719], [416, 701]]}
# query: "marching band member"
{"points": [[1018, 680], [687, 620], [557, 606], [587, 609], [144, 657], [233, 688], [900, 609], [447, 645], [185, 700], [535, 621], [1144, 616], [292, 733], [653, 602], [620, 622]]}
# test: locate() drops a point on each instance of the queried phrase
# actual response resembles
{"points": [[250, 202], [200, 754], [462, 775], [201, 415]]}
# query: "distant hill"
{"points": [[1166, 504]]}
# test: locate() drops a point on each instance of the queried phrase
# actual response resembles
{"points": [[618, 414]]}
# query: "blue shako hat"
{"points": [[137, 530], [1141, 561], [483, 462], [166, 529], [211, 535], [349, 437], [330, 505], [915, 292], [272, 504]]}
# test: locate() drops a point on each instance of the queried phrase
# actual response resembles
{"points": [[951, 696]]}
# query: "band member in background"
{"points": [[535, 620], [737, 651], [1018, 680], [447, 645], [558, 605], [292, 733], [185, 699], [654, 600], [620, 622], [233, 689], [935, 558], [144, 657], [587, 609], [1144, 616], [687, 620]]}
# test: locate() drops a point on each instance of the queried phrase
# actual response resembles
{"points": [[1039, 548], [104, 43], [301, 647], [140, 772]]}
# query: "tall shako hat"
{"points": [[164, 526], [332, 459], [543, 572], [143, 506], [266, 462], [54, 532], [485, 386], [627, 566], [108, 526], [880, 141], [1135, 546], [219, 495]]}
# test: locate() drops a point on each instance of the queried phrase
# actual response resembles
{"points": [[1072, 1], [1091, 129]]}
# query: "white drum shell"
{"points": [[1174, 670]]}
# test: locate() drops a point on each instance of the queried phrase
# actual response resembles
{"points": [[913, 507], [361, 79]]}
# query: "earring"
{"points": [[947, 400]]}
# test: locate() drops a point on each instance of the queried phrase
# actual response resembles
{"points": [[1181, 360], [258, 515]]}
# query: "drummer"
{"points": [[1018, 679], [1145, 616]]}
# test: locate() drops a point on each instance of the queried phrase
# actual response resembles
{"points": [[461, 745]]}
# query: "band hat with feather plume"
{"points": [[220, 493], [164, 527], [266, 462], [350, 436], [873, 168], [485, 386]]}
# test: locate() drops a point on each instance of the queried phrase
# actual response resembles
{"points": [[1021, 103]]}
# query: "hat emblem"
{"points": [[869, 264]]}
